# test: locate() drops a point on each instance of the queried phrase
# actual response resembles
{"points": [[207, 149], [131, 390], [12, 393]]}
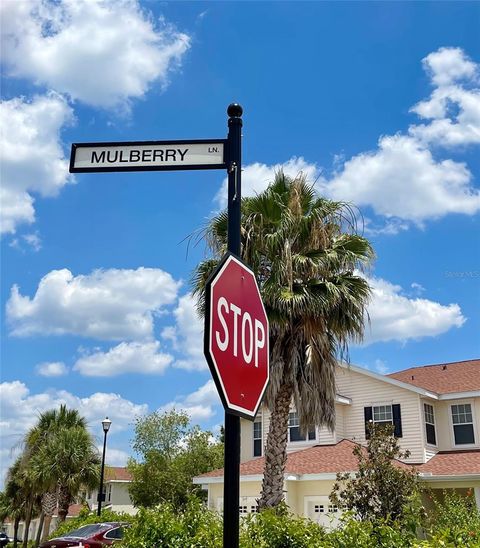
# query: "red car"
{"points": [[95, 535]]}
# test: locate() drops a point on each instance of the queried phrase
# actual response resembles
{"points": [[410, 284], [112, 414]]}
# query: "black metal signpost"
{"points": [[180, 155]]}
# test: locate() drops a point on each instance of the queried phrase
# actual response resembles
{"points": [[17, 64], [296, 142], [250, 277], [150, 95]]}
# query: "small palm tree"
{"points": [[16, 496], [72, 458], [305, 252], [49, 425]]}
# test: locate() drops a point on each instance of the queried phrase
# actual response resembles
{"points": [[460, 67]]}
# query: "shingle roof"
{"points": [[320, 459], [453, 463], [443, 378], [113, 473]]}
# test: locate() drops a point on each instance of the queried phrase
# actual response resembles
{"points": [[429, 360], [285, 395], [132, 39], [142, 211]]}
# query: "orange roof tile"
{"points": [[117, 473], [443, 378], [453, 463], [320, 459]]}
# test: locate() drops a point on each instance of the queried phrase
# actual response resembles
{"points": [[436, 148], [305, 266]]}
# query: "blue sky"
{"points": [[378, 103]]}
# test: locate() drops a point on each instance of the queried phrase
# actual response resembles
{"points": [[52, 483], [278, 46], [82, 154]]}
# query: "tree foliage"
{"points": [[382, 489], [171, 453]]}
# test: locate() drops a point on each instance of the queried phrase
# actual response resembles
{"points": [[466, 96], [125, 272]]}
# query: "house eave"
{"points": [[460, 395], [432, 478]]}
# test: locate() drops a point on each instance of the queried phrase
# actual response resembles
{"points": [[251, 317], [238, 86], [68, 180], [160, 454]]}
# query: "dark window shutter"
{"points": [[397, 420], [368, 413]]}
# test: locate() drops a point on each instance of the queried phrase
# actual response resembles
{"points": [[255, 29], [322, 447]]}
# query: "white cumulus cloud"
{"points": [[454, 105], [51, 369], [109, 304], [200, 405], [402, 179], [32, 157], [101, 52], [395, 316], [133, 357], [186, 335]]}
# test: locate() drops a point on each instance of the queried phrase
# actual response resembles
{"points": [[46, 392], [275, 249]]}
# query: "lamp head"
{"points": [[106, 424]]}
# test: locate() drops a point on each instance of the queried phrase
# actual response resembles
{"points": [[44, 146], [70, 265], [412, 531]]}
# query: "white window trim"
{"points": [[306, 441], [434, 424], [260, 438], [382, 404], [452, 433]]}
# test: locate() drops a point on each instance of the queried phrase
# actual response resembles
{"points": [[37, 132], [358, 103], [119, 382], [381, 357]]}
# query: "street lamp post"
{"points": [[101, 497]]}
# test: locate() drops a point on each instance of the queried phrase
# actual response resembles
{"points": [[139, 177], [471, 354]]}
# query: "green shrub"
{"points": [[166, 527], [279, 529], [85, 517], [455, 521], [365, 534]]}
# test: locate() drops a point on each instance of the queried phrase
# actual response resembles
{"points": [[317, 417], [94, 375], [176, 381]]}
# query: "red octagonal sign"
{"points": [[236, 336]]}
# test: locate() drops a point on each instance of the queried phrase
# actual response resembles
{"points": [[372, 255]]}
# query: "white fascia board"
{"points": [[322, 476], [343, 400], [428, 476], [390, 380], [219, 479], [460, 395]]}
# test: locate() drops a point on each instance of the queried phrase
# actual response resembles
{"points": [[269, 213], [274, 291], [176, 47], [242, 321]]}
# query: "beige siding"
{"points": [[444, 423], [367, 391], [340, 411], [120, 495], [246, 439], [248, 490]]}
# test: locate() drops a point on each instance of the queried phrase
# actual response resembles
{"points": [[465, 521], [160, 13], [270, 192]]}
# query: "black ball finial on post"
{"points": [[234, 110]]}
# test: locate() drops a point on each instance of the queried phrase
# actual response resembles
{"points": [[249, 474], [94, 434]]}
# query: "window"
{"points": [[294, 433], [257, 439], [116, 533], [430, 424], [462, 420], [384, 414], [109, 492]]}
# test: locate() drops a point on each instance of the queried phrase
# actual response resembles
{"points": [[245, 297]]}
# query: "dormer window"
{"points": [[294, 433], [462, 420]]}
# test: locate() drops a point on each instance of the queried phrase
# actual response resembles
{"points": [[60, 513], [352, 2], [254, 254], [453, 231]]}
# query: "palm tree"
{"points": [[49, 425], [305, 252], [71, 457], [16, 497]]}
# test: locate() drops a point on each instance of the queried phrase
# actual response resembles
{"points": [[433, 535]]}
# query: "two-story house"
{"points": [[435, 411]]}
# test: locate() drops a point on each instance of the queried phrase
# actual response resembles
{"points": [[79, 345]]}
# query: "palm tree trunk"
{"points": [[40, 527], [276, 450], [46, 527], [64, 499], [49, 505], [28, 519], [16, 525]]}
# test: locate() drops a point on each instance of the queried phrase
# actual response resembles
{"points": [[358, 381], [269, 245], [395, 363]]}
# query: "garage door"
{"points": [[320, 510]]}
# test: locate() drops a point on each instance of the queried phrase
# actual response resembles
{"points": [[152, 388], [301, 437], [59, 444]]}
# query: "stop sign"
{"points": [[236, 336]]}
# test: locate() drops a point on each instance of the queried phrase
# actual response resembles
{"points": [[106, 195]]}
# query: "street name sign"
{"points": [[148, 156], [236, 336]]}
